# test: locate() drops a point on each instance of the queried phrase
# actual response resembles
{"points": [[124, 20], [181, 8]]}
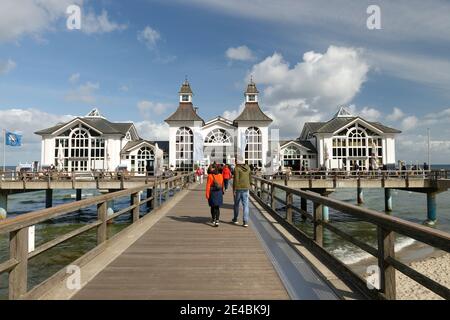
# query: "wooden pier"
{"points": [[173, 252]]}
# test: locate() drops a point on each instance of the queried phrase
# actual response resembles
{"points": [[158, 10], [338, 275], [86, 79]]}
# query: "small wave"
{"points": [[349, 254]]}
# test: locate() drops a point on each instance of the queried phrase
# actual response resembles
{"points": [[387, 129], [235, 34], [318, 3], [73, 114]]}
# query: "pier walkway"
{"points": [[184, 257], [173, 252]]}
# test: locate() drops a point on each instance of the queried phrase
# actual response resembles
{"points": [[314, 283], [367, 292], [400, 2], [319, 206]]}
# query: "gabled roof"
{"points": [[130, 145], [98, 123], [185, 112], [304, 143], [219, 119], [339, 122], [252, 112]]}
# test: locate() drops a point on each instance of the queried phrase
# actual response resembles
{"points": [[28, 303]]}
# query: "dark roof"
{"points": [[252, 112], [251, 88], [337, 123], [185, 112], [131, 144], [98, 123], [305, 143], [185, 88]]}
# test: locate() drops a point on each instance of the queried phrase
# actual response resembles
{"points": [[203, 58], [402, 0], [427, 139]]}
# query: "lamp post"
{"points": [[429, 159]]}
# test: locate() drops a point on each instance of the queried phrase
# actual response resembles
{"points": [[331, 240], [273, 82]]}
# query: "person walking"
{"points": [[199, 175], [214, 192], [241, 187], [226, 176]]}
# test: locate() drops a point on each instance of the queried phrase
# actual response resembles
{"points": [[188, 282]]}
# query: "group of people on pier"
{"points": [[217, 184]]}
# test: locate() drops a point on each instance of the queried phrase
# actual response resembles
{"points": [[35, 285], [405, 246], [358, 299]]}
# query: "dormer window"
{"points": [[185, 98], [251, 98]]}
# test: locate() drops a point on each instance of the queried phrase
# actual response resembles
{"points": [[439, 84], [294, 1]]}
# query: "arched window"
{"points": [[292, 152], [184, 142], [253, 149], [219, 136], [357, 145], [145, 157], [79, 149]]}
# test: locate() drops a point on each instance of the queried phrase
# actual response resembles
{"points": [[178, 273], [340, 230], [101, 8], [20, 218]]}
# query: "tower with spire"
{"points": [[185, 143], [250, 121]]}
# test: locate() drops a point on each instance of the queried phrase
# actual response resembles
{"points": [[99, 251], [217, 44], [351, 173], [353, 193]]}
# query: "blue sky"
{"points": [[307, 57]]}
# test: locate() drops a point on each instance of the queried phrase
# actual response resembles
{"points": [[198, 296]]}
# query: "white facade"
{"points": [[347, 142], [194, 142], [94, 143]]}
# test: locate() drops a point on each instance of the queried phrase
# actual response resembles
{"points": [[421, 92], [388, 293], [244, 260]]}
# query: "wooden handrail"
{"points": [[386, 225], [17, 227]]}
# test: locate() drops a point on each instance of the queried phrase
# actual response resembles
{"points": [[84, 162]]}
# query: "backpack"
{"points": [[215, 185]]}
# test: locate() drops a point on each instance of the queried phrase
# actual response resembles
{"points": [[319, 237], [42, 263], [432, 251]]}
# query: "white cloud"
{"points": [[312, 89], [149, 37], [30, 17], [124, 88], [27, 121], [409, 123], [7, 66], [367, 113], [396, 115], [84, 93], [35, 17], [149, 108], [233, 114], [92, 23], [242, 53], [151, 130], [322, 80], [74, 78]]}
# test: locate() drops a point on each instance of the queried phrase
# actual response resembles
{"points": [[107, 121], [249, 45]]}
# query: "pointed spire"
{"points": [[185, 87], [343, 112], [94, 113], [251, 87]]}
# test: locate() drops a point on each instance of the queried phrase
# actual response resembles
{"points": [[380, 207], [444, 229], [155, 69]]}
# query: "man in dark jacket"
{"points": [[241, 187]]}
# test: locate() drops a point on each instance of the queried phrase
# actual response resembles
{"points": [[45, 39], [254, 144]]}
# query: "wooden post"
{"points": [[318, 228], [18, 250], [136, 201], [258, 188], [272, 194], [101, 229], [154, 202], [166, 191], [304, 207], [386, 241], [78, 195], [289, 201], [387, 199], [48, 198], [149, 195], [360, 194]]}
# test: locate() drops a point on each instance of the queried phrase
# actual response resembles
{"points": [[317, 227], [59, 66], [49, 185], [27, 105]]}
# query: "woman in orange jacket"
{"points": [[226, 173], [214, 192]]}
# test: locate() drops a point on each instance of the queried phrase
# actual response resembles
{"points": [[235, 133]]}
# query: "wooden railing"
{"points": [[76, 176], [265, 191], [375, 174], [17, 227]]}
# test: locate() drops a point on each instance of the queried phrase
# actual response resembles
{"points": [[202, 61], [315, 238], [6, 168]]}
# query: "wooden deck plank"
{"points": [[184, 257]]}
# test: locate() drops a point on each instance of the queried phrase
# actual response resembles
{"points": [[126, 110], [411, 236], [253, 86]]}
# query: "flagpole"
{"points": [[4, 150]]}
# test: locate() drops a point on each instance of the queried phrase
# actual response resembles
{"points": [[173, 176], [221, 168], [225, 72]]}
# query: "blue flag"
{"points": [[13, 139]]}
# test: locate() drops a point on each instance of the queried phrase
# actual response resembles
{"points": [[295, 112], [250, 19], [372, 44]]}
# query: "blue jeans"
{"points": [[241, 195]]}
